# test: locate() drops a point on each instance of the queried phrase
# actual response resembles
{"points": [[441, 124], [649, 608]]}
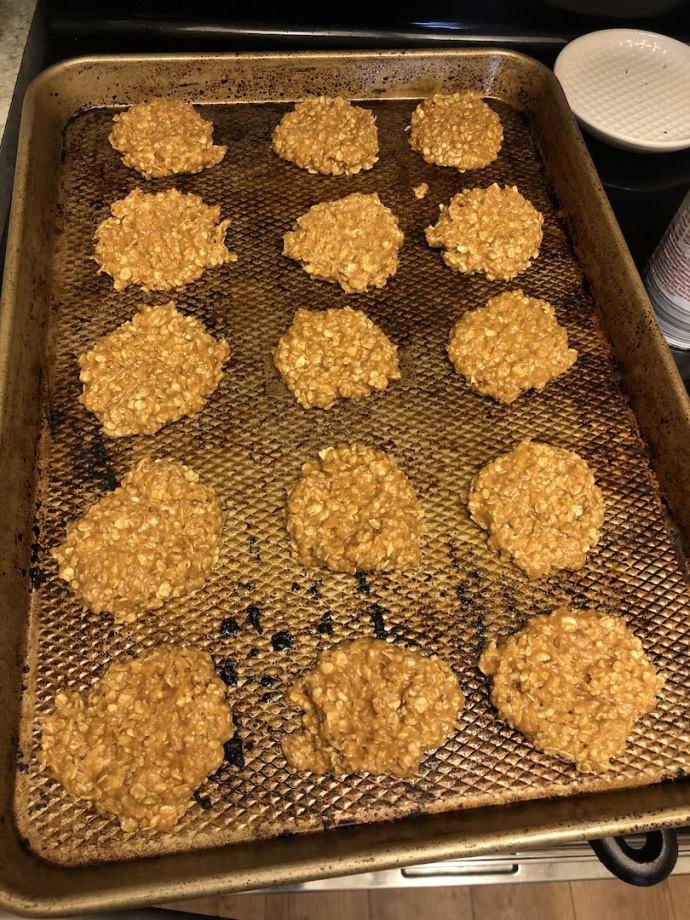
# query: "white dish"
{"points": [[629, 88]]}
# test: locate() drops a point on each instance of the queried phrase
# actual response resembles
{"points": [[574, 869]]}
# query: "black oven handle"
{"points": [[643, 865]]}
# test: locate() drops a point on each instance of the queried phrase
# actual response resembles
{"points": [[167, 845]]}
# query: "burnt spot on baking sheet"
{"points": [[282, 641], [229, 628], [95, 462], [234, 753], [254, 548], [478, 628], [36, 577], [510, 602], [362, 583], [228, 673], [463, 597], [377, 614], [254, 617], [203, 801], [324, 626]]}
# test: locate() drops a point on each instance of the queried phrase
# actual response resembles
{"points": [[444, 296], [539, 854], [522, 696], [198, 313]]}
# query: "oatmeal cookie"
{"points": [[573, 682], [328, 136], [458, 130], [541, 507], [140, 740], [371, 707], [494, 230], [354, 510], [155, 369], [334, 353], [353, 242], [155, 537], [164, 137], [513, 344], [160, 241]]}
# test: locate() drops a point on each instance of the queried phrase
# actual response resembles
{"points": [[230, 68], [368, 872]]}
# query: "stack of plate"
{"points": [[673, 313], [667, 279]]}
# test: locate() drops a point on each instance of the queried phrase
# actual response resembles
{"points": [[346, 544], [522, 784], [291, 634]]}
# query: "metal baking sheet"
{"points": [[252, 439]]}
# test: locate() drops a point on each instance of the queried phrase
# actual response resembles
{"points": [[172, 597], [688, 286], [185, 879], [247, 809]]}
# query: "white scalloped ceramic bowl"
{"points": [[629, 88]]}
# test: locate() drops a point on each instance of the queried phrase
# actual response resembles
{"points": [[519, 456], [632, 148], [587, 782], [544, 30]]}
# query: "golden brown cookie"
{"points": [[354, 510], [458, 130], [353, 242], [513, 344], [541, 507], [164, 137], [371, 707], [573, 682], [160, 241], [142, 738], [494, 230], [328, 136], [333, 353], [154, 538], [155, 369]]}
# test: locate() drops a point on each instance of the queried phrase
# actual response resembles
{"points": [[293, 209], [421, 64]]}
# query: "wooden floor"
{"points": [[604, 900]]}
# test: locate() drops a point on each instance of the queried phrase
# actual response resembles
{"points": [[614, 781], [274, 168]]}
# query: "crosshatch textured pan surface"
{"points": [[264, 618]]}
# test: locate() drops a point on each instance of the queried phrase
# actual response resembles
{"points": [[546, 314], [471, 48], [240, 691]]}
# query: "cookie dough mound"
{"points": [[334, 353], [371, 707], [328, 136], [160, 241], [494, 230], [513, 344], [138, 743], [573, 682], [155, 369], [541, 507], [458, 130], [154, 538], [164, 137], [354, 510], [353, 242]]}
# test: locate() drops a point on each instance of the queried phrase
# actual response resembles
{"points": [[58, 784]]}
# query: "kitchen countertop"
{"points": [[21, 36]]}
